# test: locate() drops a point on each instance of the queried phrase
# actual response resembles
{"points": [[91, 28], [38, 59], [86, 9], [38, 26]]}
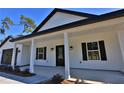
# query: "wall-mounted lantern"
{"points": [[19, 51], [52, 49], [71, 47]]}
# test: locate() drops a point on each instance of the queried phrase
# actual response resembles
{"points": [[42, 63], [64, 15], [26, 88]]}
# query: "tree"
{"points": [[28, 23], [5, 25]]}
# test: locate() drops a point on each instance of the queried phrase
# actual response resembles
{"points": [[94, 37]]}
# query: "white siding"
{"points": [[113, 52], [9, 45], [19, 54], [51, 55], [121, 41], [0, 55], [59, 19], [25, 55]]}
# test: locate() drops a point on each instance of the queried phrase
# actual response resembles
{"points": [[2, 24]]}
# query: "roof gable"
{"points": [[103, 17], [60, 17], [2, 43]]}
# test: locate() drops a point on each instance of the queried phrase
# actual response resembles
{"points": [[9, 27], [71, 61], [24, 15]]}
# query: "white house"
{"points": [[6, 52], [68, 40]]}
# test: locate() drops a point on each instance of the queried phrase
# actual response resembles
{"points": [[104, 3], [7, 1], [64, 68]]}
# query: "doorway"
{"points": [[60, 59]]}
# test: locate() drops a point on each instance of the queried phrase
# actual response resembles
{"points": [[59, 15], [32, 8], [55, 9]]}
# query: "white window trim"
{"points": [[93, 50], [40, 53]]}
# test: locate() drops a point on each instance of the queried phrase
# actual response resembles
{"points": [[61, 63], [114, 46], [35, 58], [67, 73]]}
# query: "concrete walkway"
{"points": [[13, 79], [4, 80]]}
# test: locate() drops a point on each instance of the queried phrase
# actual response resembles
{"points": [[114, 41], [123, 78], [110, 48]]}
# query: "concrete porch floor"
{"points": [[45, 73], [49, 71], [112, 77]]}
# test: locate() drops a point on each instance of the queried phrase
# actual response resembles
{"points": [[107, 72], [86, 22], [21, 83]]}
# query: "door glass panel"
{"points": [[60, 54]]}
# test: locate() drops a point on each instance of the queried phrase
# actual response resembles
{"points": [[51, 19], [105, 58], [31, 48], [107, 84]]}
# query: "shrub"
{"points": [[5, 68], [57, 79], [2, 68], [9, 68], [17, 69], [26, 71]]}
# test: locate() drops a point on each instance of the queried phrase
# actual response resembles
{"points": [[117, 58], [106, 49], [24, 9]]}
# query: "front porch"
{"points": [[50, 57], [89, 76], [96, 76], [103, 76], [107, 57], [48, 71]]}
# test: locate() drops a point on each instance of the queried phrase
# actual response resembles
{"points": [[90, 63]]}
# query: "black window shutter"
{"points": [[102, 50], [84, 51], [36, 53], [45, 50]]}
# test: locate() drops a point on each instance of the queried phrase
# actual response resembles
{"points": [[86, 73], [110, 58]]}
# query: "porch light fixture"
{"points": [[71, 47], [52, 49], [18, 50]]}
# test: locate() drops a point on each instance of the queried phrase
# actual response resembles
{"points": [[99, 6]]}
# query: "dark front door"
{"points": [[7, 56], [60, 60]]}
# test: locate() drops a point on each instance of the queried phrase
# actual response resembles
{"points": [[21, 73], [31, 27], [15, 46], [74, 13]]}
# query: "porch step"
{"points": [[84, 81]]}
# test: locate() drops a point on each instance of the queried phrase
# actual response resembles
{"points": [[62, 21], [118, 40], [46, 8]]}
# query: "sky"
{"points": [[38, 15]]}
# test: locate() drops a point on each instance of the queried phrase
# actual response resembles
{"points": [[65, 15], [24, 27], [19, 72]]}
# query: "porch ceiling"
{"points": [[26, 42], [56, 36], [106, 28], [51, 37]]}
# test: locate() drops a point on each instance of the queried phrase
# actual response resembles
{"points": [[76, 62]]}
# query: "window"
{"points": [[41, 53], [94, 51]]}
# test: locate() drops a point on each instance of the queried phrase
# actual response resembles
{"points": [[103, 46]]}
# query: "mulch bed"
{"points": [[16, 71], [64, 82], [58, 79]]}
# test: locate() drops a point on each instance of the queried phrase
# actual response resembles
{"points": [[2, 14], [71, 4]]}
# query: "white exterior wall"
{"points": [[51, 55], [113, 52], [19, 54], [25, 58], [10, 45], [121, 41], [60, 19], [0, 55]]}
